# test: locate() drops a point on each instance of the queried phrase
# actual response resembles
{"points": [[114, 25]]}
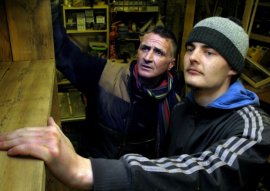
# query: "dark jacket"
{"points": [[209, 148]]}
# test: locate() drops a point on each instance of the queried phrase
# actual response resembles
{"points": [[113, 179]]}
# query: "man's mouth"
{"points": [[146, 67], [193, 71]]}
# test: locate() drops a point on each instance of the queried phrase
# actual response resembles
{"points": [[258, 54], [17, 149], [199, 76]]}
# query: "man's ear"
{"points": [[172, 64], [232, 72]]}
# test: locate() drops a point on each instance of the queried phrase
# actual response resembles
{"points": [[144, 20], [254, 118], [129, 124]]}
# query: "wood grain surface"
{"points": [[28, 87], [30, 29], [25, 100]]}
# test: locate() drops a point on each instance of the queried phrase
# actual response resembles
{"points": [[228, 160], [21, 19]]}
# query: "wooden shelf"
{"points": [[265, 4], [259, 37], [134, 11], [133, 23], [71, 106], [86, 24], [63, 82], [254, 73], [70, 31], [263, 93], [85, 7]]}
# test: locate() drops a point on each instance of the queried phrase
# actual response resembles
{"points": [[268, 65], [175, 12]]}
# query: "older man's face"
{"points": [[154, 55]]}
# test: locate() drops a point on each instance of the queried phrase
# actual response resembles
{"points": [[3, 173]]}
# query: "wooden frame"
{"points": [[255, 74]]}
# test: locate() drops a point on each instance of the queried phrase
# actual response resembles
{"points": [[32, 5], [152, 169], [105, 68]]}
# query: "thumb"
{"points": [[51, 122]]}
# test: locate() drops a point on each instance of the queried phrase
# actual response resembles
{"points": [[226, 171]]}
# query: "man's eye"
{"points": [[209, 53], [159, 52], [189, 49], [143, 48]]}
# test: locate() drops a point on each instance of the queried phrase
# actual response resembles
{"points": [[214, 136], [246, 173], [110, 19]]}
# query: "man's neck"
{"points": [[151, 83], [204, 97]]}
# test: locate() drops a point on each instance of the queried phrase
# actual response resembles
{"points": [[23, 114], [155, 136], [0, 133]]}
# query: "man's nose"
{"points": [[194, 55], [149, 55]]}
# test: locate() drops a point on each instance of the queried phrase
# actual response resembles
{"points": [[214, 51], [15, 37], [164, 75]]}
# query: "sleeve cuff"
{"points": [[110, 174]]}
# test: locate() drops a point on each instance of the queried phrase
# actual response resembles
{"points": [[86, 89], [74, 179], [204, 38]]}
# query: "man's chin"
{"points": [[145, 74], [191, 85]]}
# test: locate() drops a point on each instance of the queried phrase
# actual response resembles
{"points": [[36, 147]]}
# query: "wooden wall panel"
{"points": [[5, 49], [188, 25], [30, 29]]}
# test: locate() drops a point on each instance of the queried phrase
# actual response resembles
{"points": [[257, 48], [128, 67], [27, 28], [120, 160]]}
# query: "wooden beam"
{"points": [[247, 14], [188, 24]]}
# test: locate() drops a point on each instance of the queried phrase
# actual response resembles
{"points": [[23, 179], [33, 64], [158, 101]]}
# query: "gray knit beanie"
{"points": [[224, 35]]}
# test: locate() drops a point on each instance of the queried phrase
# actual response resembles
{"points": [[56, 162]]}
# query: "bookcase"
{"points": [[129, 20], [88, 27]]}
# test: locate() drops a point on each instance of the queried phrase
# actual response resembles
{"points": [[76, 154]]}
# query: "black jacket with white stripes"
{"points": [[209, 149]]}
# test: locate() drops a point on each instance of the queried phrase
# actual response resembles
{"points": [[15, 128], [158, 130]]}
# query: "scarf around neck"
{"points": [[168, 98]]}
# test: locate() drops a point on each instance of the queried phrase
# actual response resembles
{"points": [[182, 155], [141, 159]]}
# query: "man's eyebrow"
{"points": [[203, 45], [159, 50], [156, 49], [206, 46], [190, 44], [144, 45]]}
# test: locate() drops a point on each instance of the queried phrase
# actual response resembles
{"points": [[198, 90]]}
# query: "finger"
{"points": [[5, 145], [34, 150], [12, 139], [23, 140], [23, 132]]}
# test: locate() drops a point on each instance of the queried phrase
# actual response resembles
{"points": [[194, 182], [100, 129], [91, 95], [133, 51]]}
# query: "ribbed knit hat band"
{"points": [[225, 36]]}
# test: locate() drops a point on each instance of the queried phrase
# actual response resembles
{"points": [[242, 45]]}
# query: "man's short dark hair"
{"points": [[165, 33]]}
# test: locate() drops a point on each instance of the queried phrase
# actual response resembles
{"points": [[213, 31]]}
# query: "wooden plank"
{"points": [[30, 29], [25, 100], [252, 17], [4, 66], [26, 94], [247, 14], [55, 112], [188, 25], [178, 18], [17, 174], [27, 87], [5, 48], [260, 37]]}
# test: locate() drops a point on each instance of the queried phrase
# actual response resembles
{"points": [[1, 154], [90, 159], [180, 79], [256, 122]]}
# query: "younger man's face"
{"points": [[205, 68]]}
